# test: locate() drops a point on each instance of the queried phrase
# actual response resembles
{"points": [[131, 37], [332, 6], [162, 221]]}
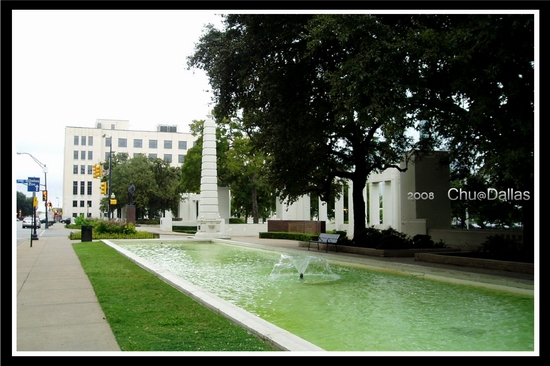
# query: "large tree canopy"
{"points": [[332, 96]]}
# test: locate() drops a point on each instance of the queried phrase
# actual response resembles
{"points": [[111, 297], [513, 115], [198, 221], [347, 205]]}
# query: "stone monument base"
{"points": [[130, 214], [210, 229]]}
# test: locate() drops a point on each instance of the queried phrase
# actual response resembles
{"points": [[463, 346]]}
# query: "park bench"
{"points": [[327, 239]]}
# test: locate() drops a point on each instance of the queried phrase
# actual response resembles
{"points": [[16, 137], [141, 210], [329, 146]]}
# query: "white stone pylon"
{"points": [[209, 221]]}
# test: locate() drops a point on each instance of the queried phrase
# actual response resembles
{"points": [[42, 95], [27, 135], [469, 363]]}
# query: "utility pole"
{"points": [[110, 173], [45, 196]]}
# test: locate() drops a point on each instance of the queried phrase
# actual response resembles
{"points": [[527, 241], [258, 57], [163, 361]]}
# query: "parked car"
{"points": [[28, 222], [66, 221]]}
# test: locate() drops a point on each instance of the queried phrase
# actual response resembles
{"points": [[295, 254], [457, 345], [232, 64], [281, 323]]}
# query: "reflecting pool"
{"points": [[351, 308]]}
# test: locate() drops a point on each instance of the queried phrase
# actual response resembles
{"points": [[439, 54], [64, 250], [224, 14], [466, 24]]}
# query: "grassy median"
{"points": [[147, 314]]}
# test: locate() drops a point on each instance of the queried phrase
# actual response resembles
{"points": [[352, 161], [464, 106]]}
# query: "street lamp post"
{"points": [[110, 175], [45, 170]]}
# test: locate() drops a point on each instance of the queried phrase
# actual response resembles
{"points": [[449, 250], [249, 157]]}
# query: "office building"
{"points": [[86, 146]]}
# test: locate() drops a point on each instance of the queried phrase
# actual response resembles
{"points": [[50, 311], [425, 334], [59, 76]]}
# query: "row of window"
{"points": [[82, 203], [123, 142], [88, 169], [84, 188], [90, 155]]}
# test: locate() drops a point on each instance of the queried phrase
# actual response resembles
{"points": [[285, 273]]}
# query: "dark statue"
{"points": [[131, 191]]}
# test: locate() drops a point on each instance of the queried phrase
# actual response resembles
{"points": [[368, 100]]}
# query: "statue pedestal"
{"points": [[131, 214], [210, 229]]}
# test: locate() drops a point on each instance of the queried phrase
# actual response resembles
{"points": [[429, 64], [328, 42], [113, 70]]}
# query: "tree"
{"points": [[238, 168], [329, 97], [308, 102], [251, 194], [24, 204], [480, 101], [158, 185]]}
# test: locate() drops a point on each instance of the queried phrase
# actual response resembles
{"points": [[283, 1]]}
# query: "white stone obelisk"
{"points": [[209, 221]]}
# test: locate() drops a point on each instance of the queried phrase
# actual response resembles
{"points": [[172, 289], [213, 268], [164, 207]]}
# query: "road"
{"points": [[25, 234]]}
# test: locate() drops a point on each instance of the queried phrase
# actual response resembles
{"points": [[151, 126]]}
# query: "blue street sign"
{"points": [[33, 184], [23, 181]]}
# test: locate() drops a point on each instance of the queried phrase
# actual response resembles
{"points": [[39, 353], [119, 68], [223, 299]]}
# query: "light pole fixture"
{"points": [[110, 171], [45, 170]]}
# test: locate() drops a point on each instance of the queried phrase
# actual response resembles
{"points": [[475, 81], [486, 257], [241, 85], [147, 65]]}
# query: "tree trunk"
{"points": [[359, 217], [255, 213]]}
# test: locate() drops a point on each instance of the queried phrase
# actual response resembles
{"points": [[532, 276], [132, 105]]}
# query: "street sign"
{"points": [[22, 181], [33, 184]]}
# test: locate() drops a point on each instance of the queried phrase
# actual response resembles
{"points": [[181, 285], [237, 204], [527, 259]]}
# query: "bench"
{"points": [[327, 239]]}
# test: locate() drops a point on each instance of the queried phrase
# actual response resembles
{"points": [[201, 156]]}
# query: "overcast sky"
{"points": [[71, 67]]}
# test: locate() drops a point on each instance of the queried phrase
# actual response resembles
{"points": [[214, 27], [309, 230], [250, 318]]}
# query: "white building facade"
{"points": [[86, 146]]}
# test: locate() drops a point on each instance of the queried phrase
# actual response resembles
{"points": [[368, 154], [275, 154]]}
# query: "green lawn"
{"points": [[147, 314]]}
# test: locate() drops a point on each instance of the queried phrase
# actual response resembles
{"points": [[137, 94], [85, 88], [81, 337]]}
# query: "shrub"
{"points": [[501, 248], [393, 239], [288, 236], [81, 221], [112, 227], [184, 229], [236, 220], [368, 238]]}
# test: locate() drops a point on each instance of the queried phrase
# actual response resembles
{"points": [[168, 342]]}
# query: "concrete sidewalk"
{"points": [[57, 309]]}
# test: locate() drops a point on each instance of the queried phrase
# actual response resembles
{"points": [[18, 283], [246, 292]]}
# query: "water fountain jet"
{"points": [[315, 267]]}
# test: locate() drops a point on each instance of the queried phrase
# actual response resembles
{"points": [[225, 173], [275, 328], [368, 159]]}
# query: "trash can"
{"points": [[86, 233]]}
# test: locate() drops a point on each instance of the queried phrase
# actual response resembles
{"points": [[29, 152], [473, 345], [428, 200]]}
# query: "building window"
{"points": [[182, 145], [107, 141], [82, 188], [83, 169], [112, 127], [90, 169], [152, 156], [89, 203], [152, 144], [90, 155], [75, 204], [81, 203], [167, 144], [89, 188], [83, 140], [168, 158], [194, 143], [122, 142], [99, 125], [75, 169], [76, 139], [75, 155], [138, 143], [107, 156], [75, 187], [83, 155], [90, 141], [181, 158]]}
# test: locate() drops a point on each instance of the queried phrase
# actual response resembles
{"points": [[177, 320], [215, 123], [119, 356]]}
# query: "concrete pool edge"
{"points": [[278, 337]]}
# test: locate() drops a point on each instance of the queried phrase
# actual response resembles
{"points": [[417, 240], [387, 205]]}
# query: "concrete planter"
{"points": [[476, 262], [380, 252]]}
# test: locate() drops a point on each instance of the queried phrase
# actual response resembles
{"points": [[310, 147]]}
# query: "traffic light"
{"points": [[49, 204], [98, 170], [103, 187], [44, 195]]}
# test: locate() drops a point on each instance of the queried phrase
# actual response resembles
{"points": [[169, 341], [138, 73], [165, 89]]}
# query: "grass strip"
{"points": [[147, 314]]}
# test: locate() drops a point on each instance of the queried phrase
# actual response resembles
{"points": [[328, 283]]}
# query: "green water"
{"points": [[353, 308]]}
